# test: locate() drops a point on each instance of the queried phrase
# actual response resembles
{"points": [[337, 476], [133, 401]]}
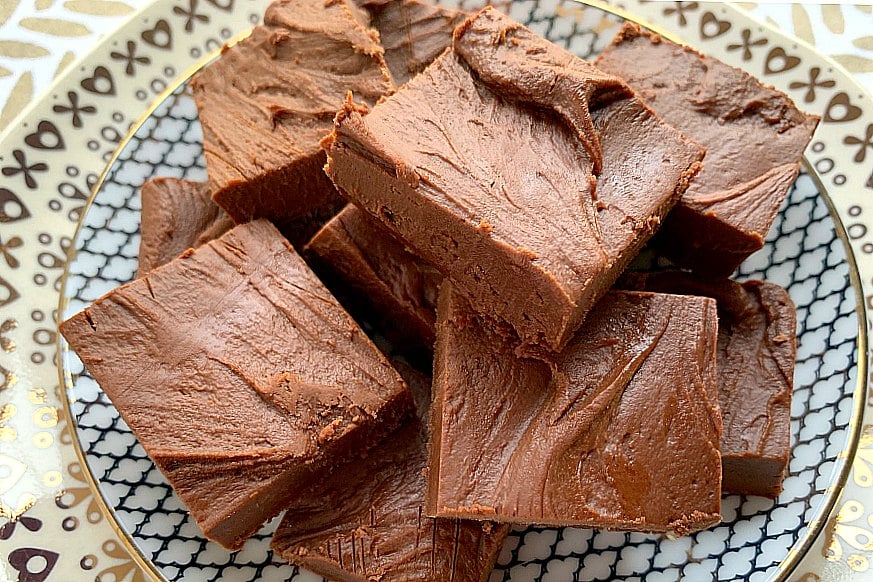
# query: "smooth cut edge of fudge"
{"points": [[775, 457], [455, 317], [320, 200], [265, 161], [369, 170], [361, 551], [712, 232], [176, 215], [754, 461], [725, 246], [277, 457], [352, 252]]}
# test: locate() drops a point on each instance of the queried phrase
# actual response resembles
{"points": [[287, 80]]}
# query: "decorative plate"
{"points": [[79, 500]]}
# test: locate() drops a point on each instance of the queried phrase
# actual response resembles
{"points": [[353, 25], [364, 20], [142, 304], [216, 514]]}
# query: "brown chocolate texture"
{"points": [[176, 215], [240, 375], [366, 521], [377, 278], [269, 100], [490, 190], [754, 136], [412, 32], [757, 348], [620, 430]]}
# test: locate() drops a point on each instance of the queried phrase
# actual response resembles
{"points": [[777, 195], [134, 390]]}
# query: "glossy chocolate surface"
{"points": [[176, 215], [240, 375], [377, 278], [757, 348], [412, 32], [620, 430], [269, 100], [754, 136], [366, 520], [492, 182]]}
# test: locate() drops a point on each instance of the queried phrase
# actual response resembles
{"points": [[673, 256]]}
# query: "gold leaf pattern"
{"points": [[21, 50], [833, 18], [98, 7], [65, 60], [55, 27], [861, 468], [841, 532], [4, 72], [855, 63], [802, 25], [864, 42], [865, 8], [21, 95], [44, 4], [120, 572], [7, 7]]}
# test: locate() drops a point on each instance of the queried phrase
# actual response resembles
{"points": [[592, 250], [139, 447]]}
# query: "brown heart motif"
{"points": [[46, 137], [20, 558], [778, 61], [159, 36], [712, 27], [840, 109], [226, 5], [100, 82], [11, 207]]}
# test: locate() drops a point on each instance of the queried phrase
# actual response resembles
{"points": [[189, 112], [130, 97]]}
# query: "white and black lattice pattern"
{"points": [[803, 253]]}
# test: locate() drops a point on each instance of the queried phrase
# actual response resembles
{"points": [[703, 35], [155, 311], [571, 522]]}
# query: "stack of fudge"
{"points": [[470, 196]]}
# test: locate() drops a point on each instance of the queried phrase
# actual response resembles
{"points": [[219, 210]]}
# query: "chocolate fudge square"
{"points": [[412, 32], [366, 520], [240, 375], [754, 136], [377, 278], [757, 346], [267, 102], [176, 215], [490, 178], [619, 431]]}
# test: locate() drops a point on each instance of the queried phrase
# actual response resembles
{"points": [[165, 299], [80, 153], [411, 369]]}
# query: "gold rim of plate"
{"points": [[849, 206], [796, 551]]}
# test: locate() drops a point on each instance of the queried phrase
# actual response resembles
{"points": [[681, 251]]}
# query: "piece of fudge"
{"points": [[619, 431], [413, 33], [176, 215], [366, 521], [757, 326], [269, 100], [754, 137], [240, 375], [483, 165], [376, 277]]}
